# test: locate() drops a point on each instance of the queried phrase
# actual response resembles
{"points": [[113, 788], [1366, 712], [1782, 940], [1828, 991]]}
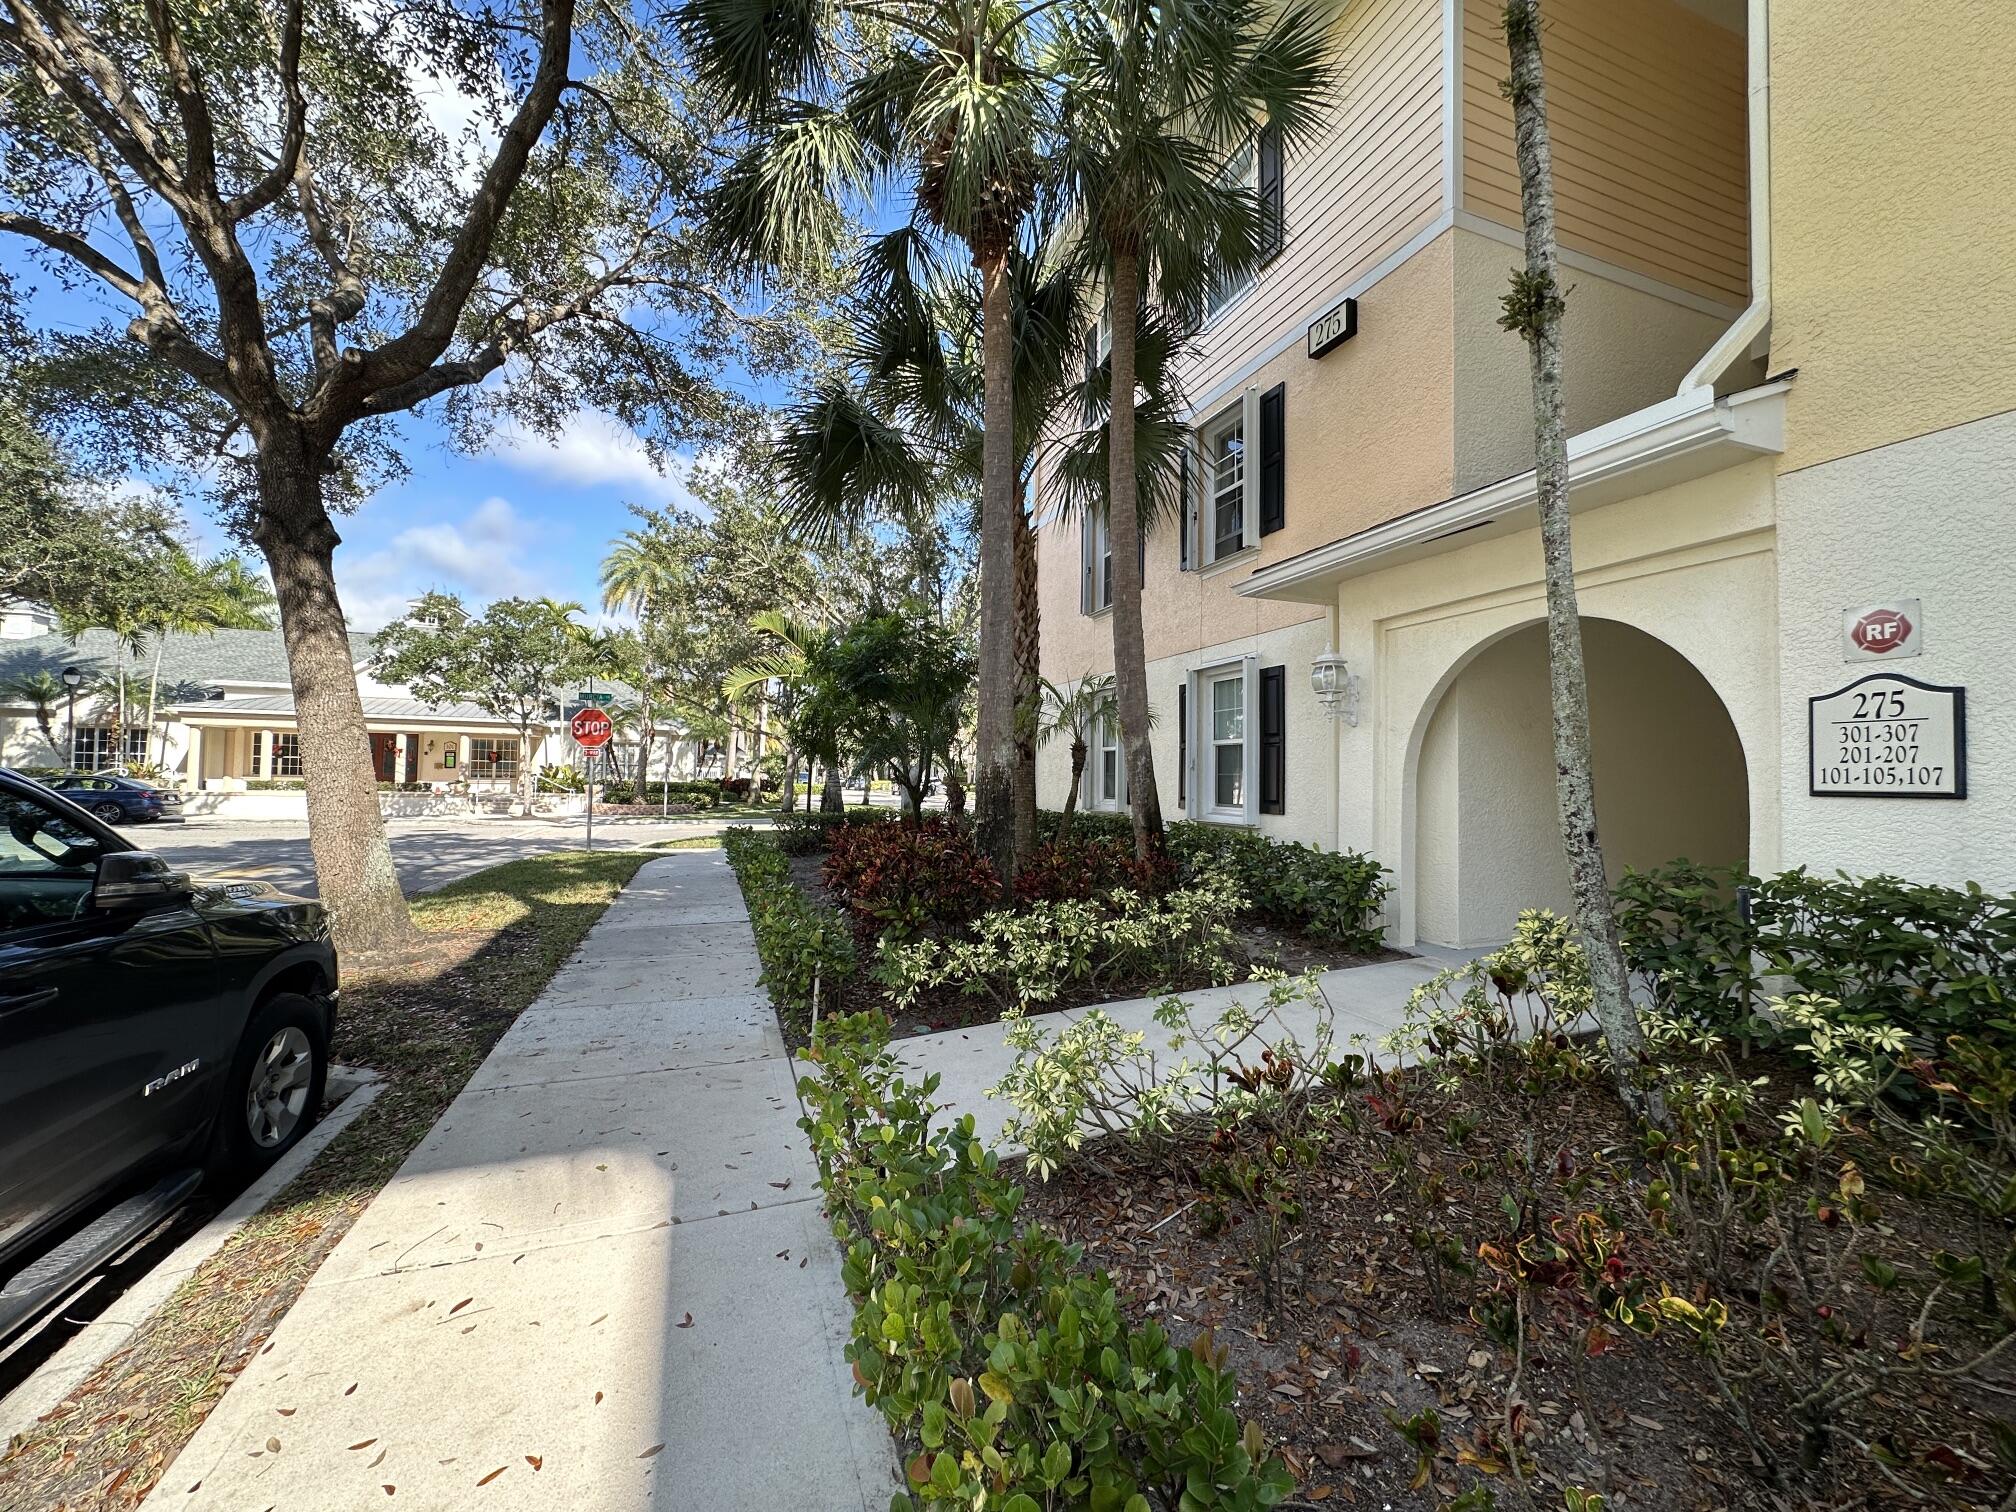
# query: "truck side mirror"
{"points": [[136, 880]]}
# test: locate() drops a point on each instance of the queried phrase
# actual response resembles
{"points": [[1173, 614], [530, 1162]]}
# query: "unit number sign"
{"points": [[1887, 736]]}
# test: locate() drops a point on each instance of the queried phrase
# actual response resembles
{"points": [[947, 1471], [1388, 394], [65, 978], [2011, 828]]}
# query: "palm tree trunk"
{"points": [[1028, 671], [1123, 520], [789, 803], [993, 810], [119, 706], [1079, 752], [346, 830], [833, 797], [1533, 310]]}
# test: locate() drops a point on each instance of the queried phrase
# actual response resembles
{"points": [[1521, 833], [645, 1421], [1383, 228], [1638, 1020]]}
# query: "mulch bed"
{"points": [[948, 1008], [1366, 1336]]}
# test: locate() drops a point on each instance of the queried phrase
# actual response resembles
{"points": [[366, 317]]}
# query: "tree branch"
{"points": [[282, 173], [77, 249], [199, 133], [409, 355], [57, 47]]}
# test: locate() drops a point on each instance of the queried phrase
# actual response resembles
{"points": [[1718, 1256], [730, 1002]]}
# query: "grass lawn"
{"points": [[689, 842], [487, 946]]}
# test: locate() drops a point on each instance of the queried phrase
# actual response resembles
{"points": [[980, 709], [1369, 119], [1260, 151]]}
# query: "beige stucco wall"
{"points": [[1893, 218], [1693, 566], [1646, 113], [1933, 518], [1669, 771], [1625, 348]]}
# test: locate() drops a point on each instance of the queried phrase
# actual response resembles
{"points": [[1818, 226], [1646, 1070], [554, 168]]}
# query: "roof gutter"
{"points": [[1744, 338], [1688, 436]]}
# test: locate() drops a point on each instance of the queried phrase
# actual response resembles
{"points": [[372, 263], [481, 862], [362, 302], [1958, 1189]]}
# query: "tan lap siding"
{"points": [[1646, 101], [1354, 196]]}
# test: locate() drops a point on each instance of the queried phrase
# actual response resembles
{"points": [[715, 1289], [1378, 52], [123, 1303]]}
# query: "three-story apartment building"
{"points": [[1791, 387]]}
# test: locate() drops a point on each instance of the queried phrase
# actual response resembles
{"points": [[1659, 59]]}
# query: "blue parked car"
{"points": [[118, 800]]}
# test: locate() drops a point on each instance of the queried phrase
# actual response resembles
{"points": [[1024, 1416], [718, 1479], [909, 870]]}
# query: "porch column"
{"points": [[462, 757], [266, 753], [192, 750]]}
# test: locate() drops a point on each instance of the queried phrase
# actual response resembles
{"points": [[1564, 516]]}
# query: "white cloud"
{"points": [[592, 450], [481, 556]]}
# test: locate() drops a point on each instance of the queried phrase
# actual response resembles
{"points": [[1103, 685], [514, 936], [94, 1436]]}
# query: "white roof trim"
{"points": [[1675, 441]]}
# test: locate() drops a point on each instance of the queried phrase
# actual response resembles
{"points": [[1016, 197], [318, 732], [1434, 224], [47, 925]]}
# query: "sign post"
{"points": [[591, 730]]}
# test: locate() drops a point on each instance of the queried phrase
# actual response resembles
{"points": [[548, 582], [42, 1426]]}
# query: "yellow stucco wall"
{"points": [[1893, 218]]}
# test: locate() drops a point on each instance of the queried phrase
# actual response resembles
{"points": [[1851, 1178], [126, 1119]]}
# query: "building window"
{"points": [[1225, 483], [92, 747], [1096, 584], [494, 759], [1227, 784], [1242, 172], [286, 755], [1109, 764]]}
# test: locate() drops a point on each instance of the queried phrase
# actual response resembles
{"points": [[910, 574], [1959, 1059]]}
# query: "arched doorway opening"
{"points": [[1670, 779]]}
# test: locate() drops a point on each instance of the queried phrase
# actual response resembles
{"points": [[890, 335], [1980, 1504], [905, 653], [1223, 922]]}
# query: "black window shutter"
{"points": [[1273, 223], [1182, 743], [1183, 509], [1091, 352], [1273, 459], [1273, 740]]}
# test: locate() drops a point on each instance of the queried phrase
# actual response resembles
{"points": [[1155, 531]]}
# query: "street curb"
{"points": [[107, 1333]]}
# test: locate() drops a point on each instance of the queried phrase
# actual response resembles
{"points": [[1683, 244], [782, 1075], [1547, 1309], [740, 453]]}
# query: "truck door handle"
{"points": [[26, 1000]]}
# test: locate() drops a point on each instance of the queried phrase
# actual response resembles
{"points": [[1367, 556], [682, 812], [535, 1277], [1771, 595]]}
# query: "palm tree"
{"points": [[901, 430], [1073, 712], [1533, 311], [791, 645], [128, 620], [224, 593], [943, 101], [1158, 96], [41, 692]]}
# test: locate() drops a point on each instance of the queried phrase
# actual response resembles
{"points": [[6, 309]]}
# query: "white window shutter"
{"points": [[1249, 440], [1249, 691]]}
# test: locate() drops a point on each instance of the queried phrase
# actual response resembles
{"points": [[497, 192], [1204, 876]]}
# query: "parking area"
{"points": [[426, 852]]}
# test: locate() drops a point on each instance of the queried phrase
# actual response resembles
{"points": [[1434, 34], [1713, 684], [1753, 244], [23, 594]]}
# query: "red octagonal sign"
{"points": [[591, 728]]}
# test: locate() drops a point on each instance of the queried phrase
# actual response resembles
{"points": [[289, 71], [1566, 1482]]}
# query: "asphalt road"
{"points": [[426, 852]]}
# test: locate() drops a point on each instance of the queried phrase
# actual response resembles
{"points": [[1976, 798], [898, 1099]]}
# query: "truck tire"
{"points": [[274, 1092]]}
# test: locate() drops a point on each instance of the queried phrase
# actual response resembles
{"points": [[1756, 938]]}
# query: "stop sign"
{"points": [[591, 729]]}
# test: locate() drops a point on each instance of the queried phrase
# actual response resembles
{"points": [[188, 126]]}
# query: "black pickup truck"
{"points": [[152, 1030]]}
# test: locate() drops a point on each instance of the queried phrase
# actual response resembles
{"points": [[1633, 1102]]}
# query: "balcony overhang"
{"points": [[1676, 441]]}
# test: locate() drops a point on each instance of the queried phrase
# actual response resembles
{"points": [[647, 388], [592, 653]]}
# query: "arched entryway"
{"points": [[1670, 778]]}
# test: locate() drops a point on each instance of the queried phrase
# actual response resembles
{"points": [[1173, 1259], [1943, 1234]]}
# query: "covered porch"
{"points": [[239, 743]]}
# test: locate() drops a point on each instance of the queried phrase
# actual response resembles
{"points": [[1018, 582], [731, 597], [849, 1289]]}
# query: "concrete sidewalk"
{"points": [[603, 1280], [1368, 1001]]}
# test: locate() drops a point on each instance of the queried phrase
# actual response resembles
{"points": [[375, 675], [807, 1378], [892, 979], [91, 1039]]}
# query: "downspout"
{"points": [[1755, 322]]}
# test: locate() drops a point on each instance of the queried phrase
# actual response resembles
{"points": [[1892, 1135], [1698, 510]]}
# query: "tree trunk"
{"points": [[994, 743], [1533, 310], [955, 793], [346, 830], [833, 797], [1079, 752], [789, 802], [118, 761], [1123, 523], [1028, 673], [153, 689]]}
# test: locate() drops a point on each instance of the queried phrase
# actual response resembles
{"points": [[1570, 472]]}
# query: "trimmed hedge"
{"points": [[805, 950], [1011, 1376], [1329, 895], [1931, 960]]}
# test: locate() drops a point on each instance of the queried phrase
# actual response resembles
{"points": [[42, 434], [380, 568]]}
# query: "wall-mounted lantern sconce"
{"points": [[1336, 689]]}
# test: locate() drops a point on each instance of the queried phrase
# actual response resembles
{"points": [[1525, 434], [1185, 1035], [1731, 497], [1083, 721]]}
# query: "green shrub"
{"points": [[1033, 955], [801, 834], [1014, 1376], [618, 791], [1930, 960], [806, 951], [1328, 895]]}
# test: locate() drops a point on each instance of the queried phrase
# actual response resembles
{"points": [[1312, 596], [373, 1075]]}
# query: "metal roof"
{"points": [[251, 706]]}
